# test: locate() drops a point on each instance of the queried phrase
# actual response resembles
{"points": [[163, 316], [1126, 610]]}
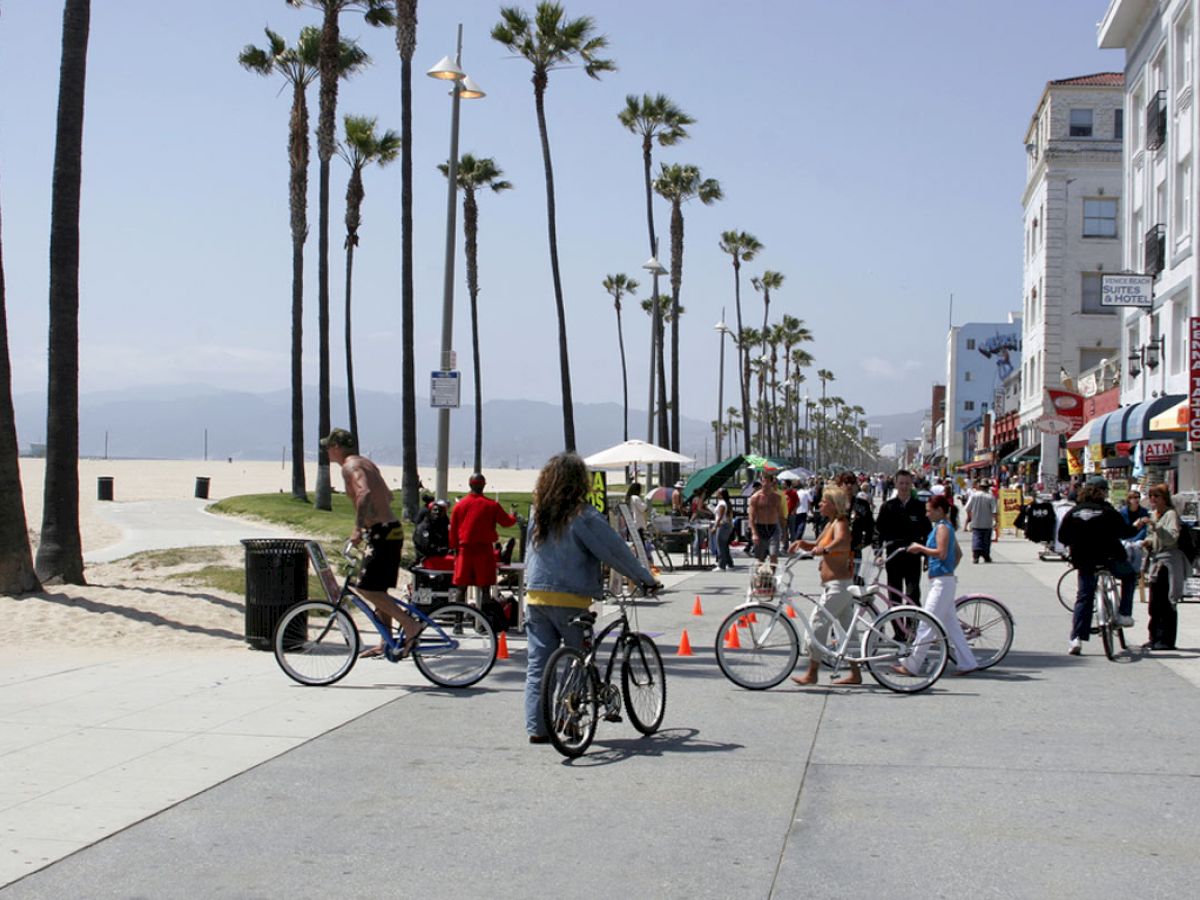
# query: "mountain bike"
{"points": [[574, 694], [317, 643]]}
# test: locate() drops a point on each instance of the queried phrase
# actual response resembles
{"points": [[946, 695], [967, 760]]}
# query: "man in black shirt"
{"points": [[902, 521]]}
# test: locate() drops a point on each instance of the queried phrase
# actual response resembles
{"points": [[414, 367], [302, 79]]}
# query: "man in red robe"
{"points": [[473, 524]]}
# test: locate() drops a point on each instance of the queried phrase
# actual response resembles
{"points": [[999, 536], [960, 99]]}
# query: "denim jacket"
{"points": [[569, 562]]}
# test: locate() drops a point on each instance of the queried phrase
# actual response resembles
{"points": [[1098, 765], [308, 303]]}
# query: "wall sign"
{"points": [[1127, 290]]}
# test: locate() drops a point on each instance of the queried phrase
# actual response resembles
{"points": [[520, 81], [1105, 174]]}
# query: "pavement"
{"points": [[212, 774]]}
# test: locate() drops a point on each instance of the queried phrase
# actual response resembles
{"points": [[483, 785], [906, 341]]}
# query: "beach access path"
{"points": [[1050, 776]]}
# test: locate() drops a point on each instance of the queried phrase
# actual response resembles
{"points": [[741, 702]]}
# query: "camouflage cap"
{"points": [[340, 437]]}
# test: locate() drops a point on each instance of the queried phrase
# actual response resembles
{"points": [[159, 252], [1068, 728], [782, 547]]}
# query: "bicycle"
{"points": [[573, 690], [986, 623], [1108, 623], [1065, 589], [771, 648], [317, 643]]}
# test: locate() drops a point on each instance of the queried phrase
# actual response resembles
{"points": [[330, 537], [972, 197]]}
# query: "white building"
{"points": [[1072, 205], [1159, 219], [979, 357]]}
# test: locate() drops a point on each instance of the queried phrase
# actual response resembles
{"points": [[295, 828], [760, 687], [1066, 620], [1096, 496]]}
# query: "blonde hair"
{"points": [[841, 503]]}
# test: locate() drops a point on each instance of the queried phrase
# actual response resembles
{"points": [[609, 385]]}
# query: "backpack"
{"points": [[1187, 541]]}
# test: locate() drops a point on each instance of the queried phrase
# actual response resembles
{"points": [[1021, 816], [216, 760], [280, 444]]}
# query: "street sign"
{"points": [[1127, 290], [1194, 380], [444, 390], [1055, 425], [1157, 451]]}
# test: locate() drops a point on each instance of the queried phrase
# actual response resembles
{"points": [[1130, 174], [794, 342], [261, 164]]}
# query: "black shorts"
{"points": [[382, 565]]}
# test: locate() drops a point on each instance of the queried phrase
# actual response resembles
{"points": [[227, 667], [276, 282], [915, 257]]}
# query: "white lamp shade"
{"points": [[447, 70], [469, 90], [653, 266]]}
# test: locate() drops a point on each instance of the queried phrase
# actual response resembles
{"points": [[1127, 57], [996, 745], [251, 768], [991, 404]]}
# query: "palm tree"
{"points": [[732, 425], [656, 118], [618, 286], [741, 247], [298, 66], [825, 376], [376, 12], [60, 552], [791, 332], [678, 184], [406, 46], [474, 174], [764, 284], [16, 563], [551, 41], [361, 147], [745, 341]]}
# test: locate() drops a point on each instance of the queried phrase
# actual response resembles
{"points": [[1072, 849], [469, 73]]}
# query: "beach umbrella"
{"points": [[629, 452], [797, 474], [711, 478], [661, 495]]}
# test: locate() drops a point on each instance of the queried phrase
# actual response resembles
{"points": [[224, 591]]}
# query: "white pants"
{"points": [[939, 603], [838, 604]]}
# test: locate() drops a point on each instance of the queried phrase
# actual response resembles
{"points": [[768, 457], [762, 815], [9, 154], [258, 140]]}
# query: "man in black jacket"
{"points": [[902, 521], [1093, 531]]}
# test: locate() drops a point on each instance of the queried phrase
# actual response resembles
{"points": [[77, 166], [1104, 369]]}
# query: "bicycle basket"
{"points": [[762, 581]]}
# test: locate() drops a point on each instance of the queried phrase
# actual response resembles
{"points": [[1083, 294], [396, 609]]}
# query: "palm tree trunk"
{"points": [[743, 368], [60, 553], [16, 563], [351, 400], [406, 44], [539, 91], [656, 319], [298, 203], [471, 251], [676, 281], [624, 378]]}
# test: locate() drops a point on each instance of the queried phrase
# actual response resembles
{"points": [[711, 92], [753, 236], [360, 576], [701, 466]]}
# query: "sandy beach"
{"points": [[129, 606]]}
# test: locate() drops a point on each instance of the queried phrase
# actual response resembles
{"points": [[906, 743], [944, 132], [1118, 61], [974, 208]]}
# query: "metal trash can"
{"points": [[201, 487], [104, 487], [276, 578]]}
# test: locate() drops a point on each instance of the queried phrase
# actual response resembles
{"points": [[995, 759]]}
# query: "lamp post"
{"points": [[723, 330], [463, 87], [655, 268]]}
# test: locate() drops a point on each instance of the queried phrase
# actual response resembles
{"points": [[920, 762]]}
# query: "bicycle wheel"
{"points": [[1065, 590], [316, 643], [644, 684], [464, 650], [1106, 615], [767, 647], [664, 558], [988, 627], [923, 646], [569, 703]]}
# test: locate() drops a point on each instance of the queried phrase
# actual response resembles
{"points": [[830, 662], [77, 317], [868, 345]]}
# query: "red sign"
{"points": [[1157, 451], [1194, 379], [1067, 405]]}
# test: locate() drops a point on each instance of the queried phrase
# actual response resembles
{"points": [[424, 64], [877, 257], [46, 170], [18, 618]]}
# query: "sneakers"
{"points": [[1075, 647], [1125, 621]]}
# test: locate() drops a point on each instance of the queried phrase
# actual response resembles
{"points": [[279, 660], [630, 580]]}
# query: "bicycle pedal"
{"points": [[613, 717]]}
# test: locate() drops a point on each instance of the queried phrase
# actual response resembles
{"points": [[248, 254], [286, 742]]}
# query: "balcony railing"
{"points": [[1154, 251], [1156, 121]]}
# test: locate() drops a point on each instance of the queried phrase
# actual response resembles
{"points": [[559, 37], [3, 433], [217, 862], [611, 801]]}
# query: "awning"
{"points": [[1174, 419], [1137, 423], [711, 478], [1081, 438], [1025, 454], [976, 464]]}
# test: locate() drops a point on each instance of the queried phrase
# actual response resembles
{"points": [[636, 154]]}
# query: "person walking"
{"points": [[375, 523], [1092, 531], [766, 520], [836, 571], [804, 499], [473, 537], [981, 519], [902, 521], [941, 549], [568, 542], [1132, 511], [1168, 569], [722, 530]]}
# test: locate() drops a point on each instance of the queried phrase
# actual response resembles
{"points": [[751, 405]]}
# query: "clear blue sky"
{"points": [[873, 146]]}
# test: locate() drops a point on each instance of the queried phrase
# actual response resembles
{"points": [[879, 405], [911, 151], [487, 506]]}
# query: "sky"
{"points": [[874, 147]]}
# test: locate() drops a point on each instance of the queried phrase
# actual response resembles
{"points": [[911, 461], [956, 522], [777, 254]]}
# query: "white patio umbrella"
{"points": [[631, 452]]}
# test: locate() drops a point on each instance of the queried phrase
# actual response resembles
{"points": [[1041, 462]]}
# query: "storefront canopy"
{"points": [[1174, 419], [1129, 423], [975, 464], [1027, 453]]}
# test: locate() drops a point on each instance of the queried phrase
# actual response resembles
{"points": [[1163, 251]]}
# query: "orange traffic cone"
{"points": [[501, 646], [697, 610], [791, 613], [753, 618], [731, 639], [742, 622], [685, 646]]}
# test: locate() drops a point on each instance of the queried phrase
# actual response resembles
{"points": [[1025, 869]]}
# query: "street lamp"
{"points": [[1148, 354], [655, 268], [723, 330], [448, 69]]}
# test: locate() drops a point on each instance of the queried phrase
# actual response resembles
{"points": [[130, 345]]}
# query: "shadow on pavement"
{"points": [[672, 740], [136, 615]]}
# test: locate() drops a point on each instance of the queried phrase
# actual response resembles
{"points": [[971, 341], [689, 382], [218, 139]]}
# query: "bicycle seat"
{"points": [[586, 619]]}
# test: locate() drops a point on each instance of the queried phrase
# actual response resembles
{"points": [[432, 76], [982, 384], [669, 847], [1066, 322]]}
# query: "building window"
{"points": [[969, 405], [1183, 200], [1081, 123], [1118, 124], [970, 343], [1100, 218], [1179, 324], [1090, 292], [967, 376]]}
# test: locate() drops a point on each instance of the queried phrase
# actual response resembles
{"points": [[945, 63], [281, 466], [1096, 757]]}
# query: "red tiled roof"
{"points": [[1100, 79]]}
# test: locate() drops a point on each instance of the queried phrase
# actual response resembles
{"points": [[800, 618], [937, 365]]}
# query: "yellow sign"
{"points": [[1118, 489], [1010, 506], [598, 495], [1075, 460]]}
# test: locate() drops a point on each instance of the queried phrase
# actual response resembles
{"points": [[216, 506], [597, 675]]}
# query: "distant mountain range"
{"points": [[899, 426], [170, 423]]}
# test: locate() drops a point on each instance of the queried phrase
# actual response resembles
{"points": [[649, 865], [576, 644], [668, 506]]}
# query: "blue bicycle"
{"points": [[317, 643]]}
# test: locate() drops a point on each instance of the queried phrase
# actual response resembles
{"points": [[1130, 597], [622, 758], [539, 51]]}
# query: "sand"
{"points": [[129, 607]]}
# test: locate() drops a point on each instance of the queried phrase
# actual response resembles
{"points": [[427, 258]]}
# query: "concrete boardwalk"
{"points": [[1050, 776]]}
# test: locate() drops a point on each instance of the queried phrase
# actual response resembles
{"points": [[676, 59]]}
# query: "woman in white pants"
{"points": [[941, 548]]}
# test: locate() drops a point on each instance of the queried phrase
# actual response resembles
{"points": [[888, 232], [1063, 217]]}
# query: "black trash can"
{"points": [[276, 578], [104, 487], [201, 487]]}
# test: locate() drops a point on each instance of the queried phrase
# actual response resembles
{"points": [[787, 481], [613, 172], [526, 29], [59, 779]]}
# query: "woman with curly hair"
{"points": [[568, 542]]}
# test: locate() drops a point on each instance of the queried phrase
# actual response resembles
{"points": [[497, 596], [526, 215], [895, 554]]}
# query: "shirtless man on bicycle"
{"points": [[374, 521]]}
